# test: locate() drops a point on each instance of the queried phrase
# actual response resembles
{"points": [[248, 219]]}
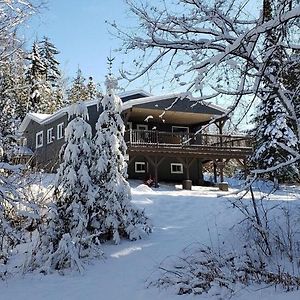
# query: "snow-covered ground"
{"points": [[179, 218]]}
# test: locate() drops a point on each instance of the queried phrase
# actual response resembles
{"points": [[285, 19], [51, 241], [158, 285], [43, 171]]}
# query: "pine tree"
{"points": [[35, 77], [48, 54], [93, 92], [274, 127], [21, 87], [117, 216], [78, 90], [291, 80], [66, 237], [8, 120], [53, 77]]}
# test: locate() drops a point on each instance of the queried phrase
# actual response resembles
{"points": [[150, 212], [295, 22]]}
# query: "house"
{"points": [[162, 135]]}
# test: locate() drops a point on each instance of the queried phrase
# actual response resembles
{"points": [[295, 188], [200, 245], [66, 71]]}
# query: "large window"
{"points": [[140, 167], [176, 168], [39, 139], [60, 131], [50, 136]]}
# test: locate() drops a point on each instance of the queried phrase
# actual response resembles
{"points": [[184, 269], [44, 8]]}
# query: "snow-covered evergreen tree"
{"points": [[53, 77], [13, 97], [35, 76], [48, 54], [271, 136], [8, 120], [291, 79], [117, 216], [274, 129], [78, 90], [66, 237], [92, 89]]}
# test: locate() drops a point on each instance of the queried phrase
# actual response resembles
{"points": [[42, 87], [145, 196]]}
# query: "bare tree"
{"points": [[216, 49]]}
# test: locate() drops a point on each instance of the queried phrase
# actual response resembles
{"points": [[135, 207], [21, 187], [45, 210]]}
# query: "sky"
{"points": [[79, 31]]}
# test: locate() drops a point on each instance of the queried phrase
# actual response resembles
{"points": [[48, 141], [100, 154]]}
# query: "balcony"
{"points": [[209, 146]]}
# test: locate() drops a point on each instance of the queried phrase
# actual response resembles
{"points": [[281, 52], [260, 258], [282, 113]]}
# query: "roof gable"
{"points": [[182, 102], [141, 99]]}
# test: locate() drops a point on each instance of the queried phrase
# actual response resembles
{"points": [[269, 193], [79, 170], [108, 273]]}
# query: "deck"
{"points": [[205, 146]]}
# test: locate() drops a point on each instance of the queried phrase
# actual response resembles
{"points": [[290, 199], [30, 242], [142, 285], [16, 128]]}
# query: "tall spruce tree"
{"points": [[53, 76], [35, 77], [48, 54], [8, 104], [117, 216], [274, 128]]}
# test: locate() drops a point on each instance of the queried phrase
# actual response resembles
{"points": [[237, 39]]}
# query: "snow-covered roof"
{"points": [[147, 98], [134, 92], [47, 118], [129, 104], [40, 116], [22, 150]]}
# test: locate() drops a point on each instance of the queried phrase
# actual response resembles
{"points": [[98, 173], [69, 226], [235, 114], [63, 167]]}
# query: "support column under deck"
{"points": [[155, 163]]}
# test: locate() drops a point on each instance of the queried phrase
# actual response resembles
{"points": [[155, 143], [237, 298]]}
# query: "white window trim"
{"points": [[50, 137], [177, 172], [185, 127], [144, 127], [139, 163], [40, 133], [60, 136]]}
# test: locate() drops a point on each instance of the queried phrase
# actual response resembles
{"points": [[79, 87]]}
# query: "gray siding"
{"points": [[164, 170], [47, 156]]}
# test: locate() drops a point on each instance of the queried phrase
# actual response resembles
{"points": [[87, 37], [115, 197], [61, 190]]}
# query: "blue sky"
{"points": [[79, 31]]}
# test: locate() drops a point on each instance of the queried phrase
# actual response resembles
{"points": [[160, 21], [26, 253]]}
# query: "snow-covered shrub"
{"points": [[117, 216], [263, 248], [15, 211], [200, 269]]}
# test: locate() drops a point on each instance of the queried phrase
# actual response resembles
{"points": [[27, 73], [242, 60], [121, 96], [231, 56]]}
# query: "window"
{"points": [[39, 139], [180, 129], [176, 168], [60, 131], [140, 167], [182, 132], [50, 136], [141, 127]]}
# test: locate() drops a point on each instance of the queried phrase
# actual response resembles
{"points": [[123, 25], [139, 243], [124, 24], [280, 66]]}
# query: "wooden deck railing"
{"points": [[172, 139]]}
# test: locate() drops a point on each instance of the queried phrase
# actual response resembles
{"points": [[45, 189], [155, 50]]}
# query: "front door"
{"points": [[142, 136], [182, 131]]}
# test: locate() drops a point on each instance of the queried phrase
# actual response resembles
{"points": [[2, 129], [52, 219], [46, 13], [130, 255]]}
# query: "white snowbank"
{"points": [[180, 218]]}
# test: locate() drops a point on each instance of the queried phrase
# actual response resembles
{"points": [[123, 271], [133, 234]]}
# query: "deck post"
{"points": [[215, 172], [186, 164], [155, 163], [220, 126], [221, 167], [200, 175]]}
